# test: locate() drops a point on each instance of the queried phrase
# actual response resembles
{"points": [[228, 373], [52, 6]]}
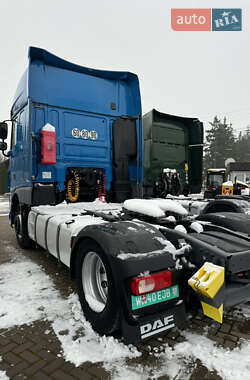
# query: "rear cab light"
{"points": [[150, 283]]}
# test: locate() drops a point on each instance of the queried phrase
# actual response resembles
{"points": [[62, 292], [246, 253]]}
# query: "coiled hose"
{"points": [[73, 184]]}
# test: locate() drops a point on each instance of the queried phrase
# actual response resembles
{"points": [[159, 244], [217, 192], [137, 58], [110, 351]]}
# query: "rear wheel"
{"points": [[21, 228], [96, 288]]}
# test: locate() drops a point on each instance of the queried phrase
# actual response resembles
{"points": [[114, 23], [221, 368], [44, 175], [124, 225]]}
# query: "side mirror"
{"points": [[3, 131]]}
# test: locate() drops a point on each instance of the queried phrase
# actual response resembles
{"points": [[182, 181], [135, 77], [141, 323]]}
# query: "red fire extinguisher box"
{"points": [[48, 145]]}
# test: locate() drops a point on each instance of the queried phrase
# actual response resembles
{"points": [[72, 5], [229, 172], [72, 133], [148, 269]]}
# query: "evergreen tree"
{"points": [[220, 144], [242, 147]]}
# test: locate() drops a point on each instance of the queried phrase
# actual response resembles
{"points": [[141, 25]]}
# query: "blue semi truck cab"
{"points": [[95, 116]]}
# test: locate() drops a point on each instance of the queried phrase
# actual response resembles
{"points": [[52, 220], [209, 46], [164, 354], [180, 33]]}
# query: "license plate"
{"points": [[153, 298]]}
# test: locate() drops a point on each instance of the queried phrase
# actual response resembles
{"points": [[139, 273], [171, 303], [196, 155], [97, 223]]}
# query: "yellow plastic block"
{"points": [[208, 280], [212, 312]]}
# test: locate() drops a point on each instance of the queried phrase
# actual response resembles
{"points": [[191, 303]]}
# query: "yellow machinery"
{"points": [[227, 188], [236, 188], [214, 181]]}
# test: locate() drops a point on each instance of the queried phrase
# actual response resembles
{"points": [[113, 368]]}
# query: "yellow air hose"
{"points": [[73, 183]]}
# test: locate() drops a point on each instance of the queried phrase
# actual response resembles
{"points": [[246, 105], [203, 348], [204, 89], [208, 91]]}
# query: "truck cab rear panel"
{"points": [[83, 105]]}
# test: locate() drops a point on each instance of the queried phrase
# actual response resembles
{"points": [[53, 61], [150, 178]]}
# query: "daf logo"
{"points": [[157, 326]]}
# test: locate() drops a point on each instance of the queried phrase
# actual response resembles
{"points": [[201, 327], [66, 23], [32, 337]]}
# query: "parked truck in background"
{"points": [[176, 143]]}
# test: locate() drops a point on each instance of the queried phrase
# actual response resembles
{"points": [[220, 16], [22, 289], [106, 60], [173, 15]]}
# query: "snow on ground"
{"points": [[3, 375], [230, 365], [27, 294], [88, 346], [4, 206]]}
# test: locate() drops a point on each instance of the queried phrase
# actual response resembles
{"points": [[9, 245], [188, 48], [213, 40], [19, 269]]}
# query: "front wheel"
{"points": [[96, 288], [21, 229]]}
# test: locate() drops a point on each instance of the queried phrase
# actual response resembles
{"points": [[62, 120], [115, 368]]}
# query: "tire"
{"points": [[21, 229], [96, 288]]}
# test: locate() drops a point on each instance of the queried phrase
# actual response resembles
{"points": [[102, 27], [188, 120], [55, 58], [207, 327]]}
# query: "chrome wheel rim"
{"points": [[94, 282]]}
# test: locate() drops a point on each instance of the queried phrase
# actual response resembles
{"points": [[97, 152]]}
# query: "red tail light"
{"points": [[151, 283]]}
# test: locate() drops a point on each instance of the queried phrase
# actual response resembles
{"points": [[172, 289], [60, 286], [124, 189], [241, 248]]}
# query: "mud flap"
{"points": [[153, 325]]}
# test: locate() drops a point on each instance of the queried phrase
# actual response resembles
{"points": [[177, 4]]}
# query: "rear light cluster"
{"points": [[151, 283]]}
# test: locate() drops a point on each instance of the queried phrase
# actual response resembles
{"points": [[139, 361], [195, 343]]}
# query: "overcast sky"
{"points": [[196, 74]]}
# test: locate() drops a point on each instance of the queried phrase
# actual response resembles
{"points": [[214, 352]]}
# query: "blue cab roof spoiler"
{"points": [[52, 60], [33, 85]]}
